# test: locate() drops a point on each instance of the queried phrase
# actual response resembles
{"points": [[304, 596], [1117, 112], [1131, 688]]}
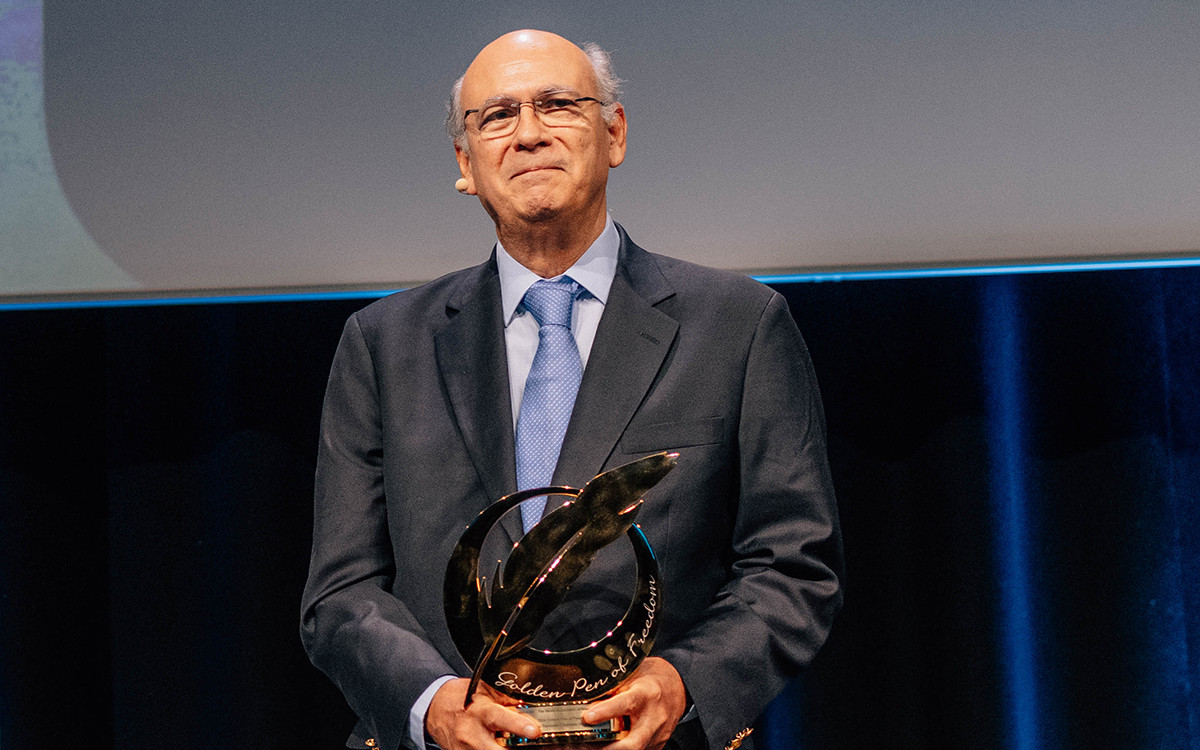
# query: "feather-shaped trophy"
{"points": [[493, 627]]}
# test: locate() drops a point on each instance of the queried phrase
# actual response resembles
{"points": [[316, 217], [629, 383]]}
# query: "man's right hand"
{"points": [[454, 727]]}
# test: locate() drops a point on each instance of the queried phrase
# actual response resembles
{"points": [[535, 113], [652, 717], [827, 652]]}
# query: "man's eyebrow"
{"points": [[553, 89]]}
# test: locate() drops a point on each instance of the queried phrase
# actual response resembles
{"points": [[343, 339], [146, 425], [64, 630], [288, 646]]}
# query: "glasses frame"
{"points": [[532, 103]]}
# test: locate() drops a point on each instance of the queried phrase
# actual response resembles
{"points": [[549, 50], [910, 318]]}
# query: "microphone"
{"points": [[461, 185]]}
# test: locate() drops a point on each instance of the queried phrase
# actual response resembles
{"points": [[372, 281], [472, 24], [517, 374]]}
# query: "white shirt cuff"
{"points": [[416, 717]]}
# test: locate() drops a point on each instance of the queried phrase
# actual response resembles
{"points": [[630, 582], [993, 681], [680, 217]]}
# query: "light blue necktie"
{"points": [[549, 391]]}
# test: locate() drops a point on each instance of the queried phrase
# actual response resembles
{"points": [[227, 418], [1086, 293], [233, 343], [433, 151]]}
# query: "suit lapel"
{"points": [[629, 349], [473, 365]]}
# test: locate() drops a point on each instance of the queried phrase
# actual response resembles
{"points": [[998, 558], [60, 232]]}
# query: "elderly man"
{"points": [[446, 397]]}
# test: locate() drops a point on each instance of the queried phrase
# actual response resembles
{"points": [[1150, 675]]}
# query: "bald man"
{"points": [[421, 422]]}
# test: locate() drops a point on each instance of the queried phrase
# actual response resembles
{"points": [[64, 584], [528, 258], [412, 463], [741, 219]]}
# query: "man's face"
{"points": [[538, 172]]}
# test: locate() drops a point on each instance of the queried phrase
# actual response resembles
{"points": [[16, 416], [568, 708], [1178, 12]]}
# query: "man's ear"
{"points": [[616, 137], [464, 166]]}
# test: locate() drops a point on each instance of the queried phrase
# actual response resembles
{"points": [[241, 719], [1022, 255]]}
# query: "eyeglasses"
{"points": [[498, 117]]}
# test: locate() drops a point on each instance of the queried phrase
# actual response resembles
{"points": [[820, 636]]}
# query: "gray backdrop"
{"points": [[276, 143]]}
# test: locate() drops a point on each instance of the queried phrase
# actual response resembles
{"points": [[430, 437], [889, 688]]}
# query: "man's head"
{"points": [[536, 127]]}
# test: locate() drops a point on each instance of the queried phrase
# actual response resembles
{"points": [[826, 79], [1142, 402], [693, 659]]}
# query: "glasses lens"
{"points": [[499, 116], [560, 108]]}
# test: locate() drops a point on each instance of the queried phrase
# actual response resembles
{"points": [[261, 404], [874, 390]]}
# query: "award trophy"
{"points": [[493, 629]]}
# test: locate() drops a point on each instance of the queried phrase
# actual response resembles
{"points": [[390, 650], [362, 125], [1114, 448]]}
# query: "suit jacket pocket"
{"points": [[667, 436]]}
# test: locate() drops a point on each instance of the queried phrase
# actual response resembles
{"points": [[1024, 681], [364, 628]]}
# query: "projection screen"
{"points": [[168, 147]]}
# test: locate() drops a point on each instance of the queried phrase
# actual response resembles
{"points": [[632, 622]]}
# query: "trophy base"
{"points": [[562, 724]]}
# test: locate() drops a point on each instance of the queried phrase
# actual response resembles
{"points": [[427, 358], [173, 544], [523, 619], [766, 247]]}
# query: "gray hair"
{"points": [[607, 89]]}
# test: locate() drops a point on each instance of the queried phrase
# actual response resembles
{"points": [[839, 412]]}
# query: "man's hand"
{"points": [[454, 727], [654, 699]]}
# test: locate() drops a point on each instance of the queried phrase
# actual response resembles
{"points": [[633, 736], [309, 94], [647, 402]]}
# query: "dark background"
{"points": [[1017, 459]]}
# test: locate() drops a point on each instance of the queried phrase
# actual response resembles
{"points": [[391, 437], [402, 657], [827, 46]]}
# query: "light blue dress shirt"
{"points": [[594, 271]]}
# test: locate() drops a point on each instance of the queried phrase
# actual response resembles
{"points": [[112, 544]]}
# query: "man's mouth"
{"points": [[540, 168]]}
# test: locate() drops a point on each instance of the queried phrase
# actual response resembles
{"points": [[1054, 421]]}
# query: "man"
{"points": [[428, 385]]}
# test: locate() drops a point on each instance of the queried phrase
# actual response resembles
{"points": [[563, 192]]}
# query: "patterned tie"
{"points": [[549, 391]]}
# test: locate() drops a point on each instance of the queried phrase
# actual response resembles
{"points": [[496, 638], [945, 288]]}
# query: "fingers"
{"points": [[496, 718], [610, 708], [646, 732], [454, 727], [654, 698]]}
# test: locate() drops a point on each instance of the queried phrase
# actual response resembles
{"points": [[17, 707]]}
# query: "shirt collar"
{"points": [[594, 271]]}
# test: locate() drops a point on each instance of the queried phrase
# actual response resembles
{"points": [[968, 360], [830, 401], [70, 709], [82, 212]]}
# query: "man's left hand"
{"points": [[654, 699]]}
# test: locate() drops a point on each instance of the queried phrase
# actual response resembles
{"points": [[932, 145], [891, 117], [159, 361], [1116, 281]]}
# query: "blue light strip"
{"points": [[789, 278], [1004, 363], [216, 299], [998, 270]]}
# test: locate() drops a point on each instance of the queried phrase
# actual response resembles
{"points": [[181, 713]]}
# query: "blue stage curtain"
{"points": [[1017, 459], [1018, 466]]}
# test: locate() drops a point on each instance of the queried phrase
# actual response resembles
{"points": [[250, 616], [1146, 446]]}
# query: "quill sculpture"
{"points": [[492, 628]]}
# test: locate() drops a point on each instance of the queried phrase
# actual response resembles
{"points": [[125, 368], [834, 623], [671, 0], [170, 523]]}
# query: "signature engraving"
{"points": [[622, 666], [633, 640], [509, 680], [585, 686]]}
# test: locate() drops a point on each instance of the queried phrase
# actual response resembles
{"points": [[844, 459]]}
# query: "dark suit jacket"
{"points": [[417, 439]]}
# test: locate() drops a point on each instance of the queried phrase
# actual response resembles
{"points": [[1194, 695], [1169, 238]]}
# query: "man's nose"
{"points": [[530, 132]]}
